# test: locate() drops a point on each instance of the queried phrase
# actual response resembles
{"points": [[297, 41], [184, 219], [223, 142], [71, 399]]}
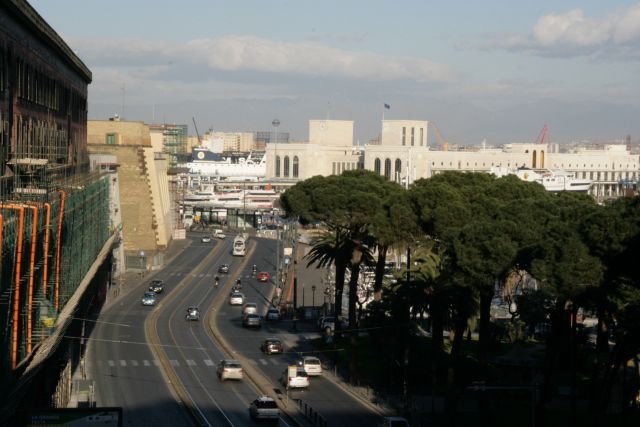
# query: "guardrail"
{"points": [[310, 414]]}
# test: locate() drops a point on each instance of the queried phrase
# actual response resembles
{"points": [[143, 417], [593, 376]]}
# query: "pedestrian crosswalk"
{"points": [[176, 363]]}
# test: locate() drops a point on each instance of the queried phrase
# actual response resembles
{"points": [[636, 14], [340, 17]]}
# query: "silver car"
{"points": [[236, 298], [149, 298], [250, 308], [251, 321], [230, 369]]}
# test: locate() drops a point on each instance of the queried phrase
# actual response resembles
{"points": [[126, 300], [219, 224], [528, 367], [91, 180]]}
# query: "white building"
{"points": [[402, 154], [329, 151]]}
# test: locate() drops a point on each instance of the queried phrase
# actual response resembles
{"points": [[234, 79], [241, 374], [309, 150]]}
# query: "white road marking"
{"points": [[134, 363], [123, 363], [191, 362], [208, 362], [174, 362], [146, 363], [264, 362], [111, 363]]}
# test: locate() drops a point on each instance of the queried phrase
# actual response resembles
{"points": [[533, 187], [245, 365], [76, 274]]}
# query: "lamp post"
{"points": [[313, 295], [275, 123], [141, 256], [303, 294]]}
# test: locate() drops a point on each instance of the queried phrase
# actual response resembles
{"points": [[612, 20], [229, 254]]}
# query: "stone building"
{"points": [[147, 214]]}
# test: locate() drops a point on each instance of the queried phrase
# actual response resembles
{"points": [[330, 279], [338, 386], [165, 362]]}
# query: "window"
{"points": [[376, 166], [277, 165], [295, 166], [421, 136], [398, 169], [404, 135], [111, 139], [286, 166], [387, 168], [413, 136]]}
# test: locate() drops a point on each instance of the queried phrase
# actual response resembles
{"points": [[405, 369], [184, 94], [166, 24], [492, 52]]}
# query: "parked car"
{"points": [[249, 308], [273, 314], [393, 422], [264, 408], [300, 379], [230, 369], [263, 276], [206, 239], [156, 286], [327, 324], [311, 365], [149, 298], [193, 313], [251, 321], [236, 298], [272, 346], [224, 268]]}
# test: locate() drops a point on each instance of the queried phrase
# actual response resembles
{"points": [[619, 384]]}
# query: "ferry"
{"points": [[553, 180]]}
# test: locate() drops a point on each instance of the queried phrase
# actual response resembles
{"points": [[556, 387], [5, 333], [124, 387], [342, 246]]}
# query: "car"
{"points": [[298, 379], [251, 321], [206, 239], [264, 408], [149, 298], [393, 422], [273, 314], [236, 298], [249, 308], [263, 276], [193, 313], [219, 234], [272, 346], [311, 365], [230, 369], [156, 286], [224, 268]]}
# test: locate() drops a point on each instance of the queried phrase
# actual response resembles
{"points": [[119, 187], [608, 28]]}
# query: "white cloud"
{"points": [[249, 53], [571, 34]]}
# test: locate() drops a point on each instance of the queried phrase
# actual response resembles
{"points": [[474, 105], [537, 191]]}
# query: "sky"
{"points": [[491, 70]]}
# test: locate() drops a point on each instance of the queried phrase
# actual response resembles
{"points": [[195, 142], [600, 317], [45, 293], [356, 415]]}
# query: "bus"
{"points": [[240, 245]]}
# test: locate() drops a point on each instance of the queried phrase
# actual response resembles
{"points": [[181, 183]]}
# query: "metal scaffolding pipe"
{"points": [[32, 264], [58, 250], [16, 294], [45, 268]]}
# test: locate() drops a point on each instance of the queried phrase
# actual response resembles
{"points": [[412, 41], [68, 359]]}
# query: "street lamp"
{"points": [[141, 256], [275, 123]]}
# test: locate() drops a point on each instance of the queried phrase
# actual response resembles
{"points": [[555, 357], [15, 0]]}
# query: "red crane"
{"points": [[544, 134]]}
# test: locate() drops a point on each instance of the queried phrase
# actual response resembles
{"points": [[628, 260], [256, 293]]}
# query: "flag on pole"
{"points": [[387, 106]]}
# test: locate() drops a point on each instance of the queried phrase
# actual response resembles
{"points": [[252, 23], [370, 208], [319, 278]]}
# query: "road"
{"points": [[134, 375], [324, 396]]}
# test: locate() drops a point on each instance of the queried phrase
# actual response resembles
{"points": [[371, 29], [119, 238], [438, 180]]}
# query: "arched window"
{"points": [[398, 170], [286, 166], [277, 165], [295, 166], [376, 166], [387, 168]]}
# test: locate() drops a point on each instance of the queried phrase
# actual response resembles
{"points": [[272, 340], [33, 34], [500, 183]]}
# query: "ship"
{"points": [[249, 166], [553, 180]]}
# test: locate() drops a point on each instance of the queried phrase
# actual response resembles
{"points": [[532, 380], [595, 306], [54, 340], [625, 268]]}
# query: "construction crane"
{"points": [[444, 144], [197, 133], [544, 134]]}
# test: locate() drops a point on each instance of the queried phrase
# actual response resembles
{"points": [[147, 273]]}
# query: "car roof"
{"points": [[236, 294], [148, 294], [272, 339], [251, 304], [265, 399], [230, 361]]}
